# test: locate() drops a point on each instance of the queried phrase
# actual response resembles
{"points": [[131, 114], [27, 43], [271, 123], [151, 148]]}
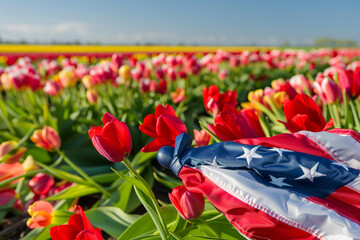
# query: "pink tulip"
{"points": [[327, 89], [52, 88]]}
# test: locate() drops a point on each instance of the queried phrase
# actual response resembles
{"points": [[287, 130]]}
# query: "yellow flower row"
{"points": [[102, 49]]}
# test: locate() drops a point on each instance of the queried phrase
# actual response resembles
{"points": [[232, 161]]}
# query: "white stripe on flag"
{"points": [[287, 207], [354, 185], [342, 148]]}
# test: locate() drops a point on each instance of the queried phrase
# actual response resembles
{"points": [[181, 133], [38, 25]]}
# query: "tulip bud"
{"points": [[178, 96], [124, 73], [190, 205], [327, 89], [145, 85], [8, 195], [159, 73], [6, 81], [116, 62], [202, 138], [41, 213], [41, 183], [113, 141], [162, 87], [29, 164], [223, 73], [52, 88], [67, 77], [46, 138], [86, 80], [9, 153], [171, 74], [92, 96]]}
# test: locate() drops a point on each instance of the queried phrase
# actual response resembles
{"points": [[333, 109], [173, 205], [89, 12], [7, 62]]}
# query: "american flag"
{"points": [[291, 186]]}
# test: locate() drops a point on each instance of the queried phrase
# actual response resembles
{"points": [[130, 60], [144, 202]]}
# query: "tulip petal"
{"points": [[109, 132], [149, 126], [221, 131], [159, 110], [86, 223], [169, 126], [329, 124], [40, 206], [108, 149], [39, 219], [124, 136], [193, 204], [88, 235], [238, 124], [95, 131], [64, 232], [108, 118], [304, 112], [158, 143]]}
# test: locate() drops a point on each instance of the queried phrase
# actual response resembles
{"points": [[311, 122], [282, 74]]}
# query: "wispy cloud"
{"points": [[172, 38], [63, 30]]}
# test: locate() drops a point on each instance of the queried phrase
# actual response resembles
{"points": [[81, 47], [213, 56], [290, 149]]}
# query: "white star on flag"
{"points": [[279, 150], [278, 181], [310, 173], [216, 164], [250, 154], [341, 165]]}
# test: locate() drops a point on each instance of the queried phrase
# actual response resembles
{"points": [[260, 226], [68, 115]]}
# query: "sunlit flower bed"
{"points": [[79, 136]]}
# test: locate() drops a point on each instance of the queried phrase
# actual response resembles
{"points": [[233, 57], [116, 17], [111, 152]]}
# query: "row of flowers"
{"points": [[49, 178]]}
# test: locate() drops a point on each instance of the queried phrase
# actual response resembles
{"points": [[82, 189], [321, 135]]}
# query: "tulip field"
{"points": [[86, 139]]}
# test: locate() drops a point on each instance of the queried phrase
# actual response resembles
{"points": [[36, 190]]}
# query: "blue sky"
{"points": [[222, 22]]}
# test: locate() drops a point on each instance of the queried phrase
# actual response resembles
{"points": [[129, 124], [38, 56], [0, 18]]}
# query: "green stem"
{"points": [[355, 115], [336, 115], [82, 173], [152, 196], [3, 115]]}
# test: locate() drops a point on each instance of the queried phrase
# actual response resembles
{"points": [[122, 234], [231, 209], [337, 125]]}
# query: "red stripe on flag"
{"points": [[248, 220], [293, 142], [344, 201]]}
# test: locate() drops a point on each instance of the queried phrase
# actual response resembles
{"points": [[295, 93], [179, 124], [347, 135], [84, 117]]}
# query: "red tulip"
{"points": [[215, 101], [190, 205], [41, 183], [253, 119], [78, 228], [159, 73], [7, 195], [46, 138], [144, 85], [164, 126], [202, 138], [162, 87], [303, 113], [231, 124], [113, 141]]}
